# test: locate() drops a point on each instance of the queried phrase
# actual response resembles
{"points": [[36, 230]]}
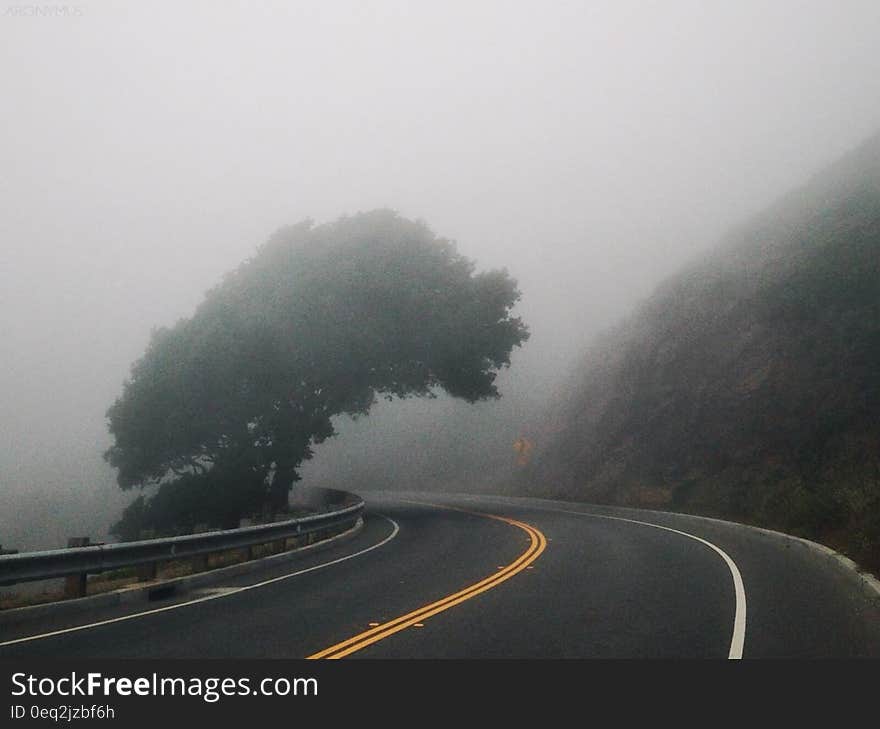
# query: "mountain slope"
{"points": [[747, 386]]}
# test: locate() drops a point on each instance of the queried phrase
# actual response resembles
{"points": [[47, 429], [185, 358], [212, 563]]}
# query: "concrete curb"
{"points": [[866, 582], [145, 591], [869, 584]]}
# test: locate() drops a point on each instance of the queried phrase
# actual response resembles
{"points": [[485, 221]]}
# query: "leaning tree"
{"points": [[225, 405]]}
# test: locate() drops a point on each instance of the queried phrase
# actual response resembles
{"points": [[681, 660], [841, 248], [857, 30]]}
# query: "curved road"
{"points": [[436, 576]]}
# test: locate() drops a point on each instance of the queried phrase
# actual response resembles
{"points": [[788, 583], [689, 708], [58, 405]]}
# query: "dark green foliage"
{"points": [[749, 385], [217, 498], [316, 324]]}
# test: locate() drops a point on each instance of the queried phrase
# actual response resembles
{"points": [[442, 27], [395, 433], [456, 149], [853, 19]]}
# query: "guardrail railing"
{"points": [[80, 561]]}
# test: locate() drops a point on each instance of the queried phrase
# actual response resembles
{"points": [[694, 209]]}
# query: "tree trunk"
{"points": [[279, 491]]}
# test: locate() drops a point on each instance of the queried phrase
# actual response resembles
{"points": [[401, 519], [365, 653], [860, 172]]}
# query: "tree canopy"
{"points": [[318, 323]]}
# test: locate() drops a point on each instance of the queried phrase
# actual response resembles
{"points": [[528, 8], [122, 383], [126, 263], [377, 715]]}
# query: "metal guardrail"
{"points": [[29, 566]]}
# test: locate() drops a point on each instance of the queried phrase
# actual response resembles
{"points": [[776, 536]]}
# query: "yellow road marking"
{"points": [[537, 544]]}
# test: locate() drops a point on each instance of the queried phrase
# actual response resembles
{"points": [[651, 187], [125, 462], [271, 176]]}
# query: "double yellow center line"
{"points": [[537, 544]]}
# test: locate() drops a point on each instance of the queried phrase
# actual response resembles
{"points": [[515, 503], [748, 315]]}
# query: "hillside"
{"points": [[748, 385]]}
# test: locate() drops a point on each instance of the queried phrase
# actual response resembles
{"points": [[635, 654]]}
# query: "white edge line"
{"points": [[215, 596], [737, 640]]}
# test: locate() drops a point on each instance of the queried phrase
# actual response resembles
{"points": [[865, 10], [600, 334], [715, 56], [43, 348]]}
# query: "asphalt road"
{"points": [[548, 580]]}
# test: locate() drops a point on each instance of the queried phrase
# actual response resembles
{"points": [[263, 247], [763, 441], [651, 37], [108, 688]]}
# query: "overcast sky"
{"points": [[590, 147]]}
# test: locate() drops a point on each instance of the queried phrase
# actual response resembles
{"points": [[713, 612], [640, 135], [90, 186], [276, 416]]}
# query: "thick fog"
{"points": [[589, 147]]}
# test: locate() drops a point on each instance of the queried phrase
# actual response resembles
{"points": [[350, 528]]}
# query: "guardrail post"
{"points": [[75, 564], [200, 561], [76, 585], [147, 572], [7, 551]]}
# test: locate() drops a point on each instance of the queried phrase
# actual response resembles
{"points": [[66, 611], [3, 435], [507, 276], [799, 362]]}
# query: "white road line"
{"points": [[738, 638], [216, 596]]}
